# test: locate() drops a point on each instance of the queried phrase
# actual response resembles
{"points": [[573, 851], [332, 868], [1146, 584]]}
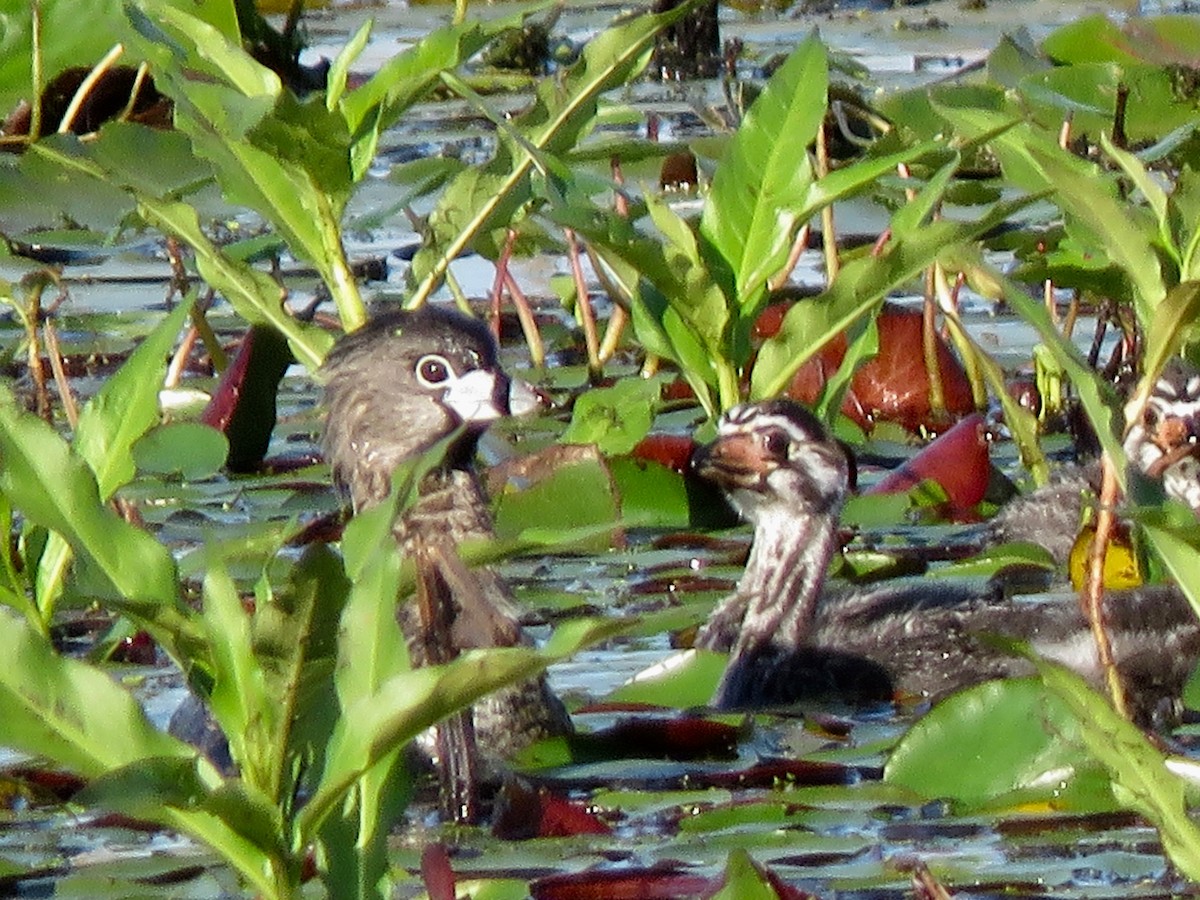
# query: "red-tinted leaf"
{"points": [[523, 812], [138, 649], [679, 738], [678, 390], [623, 884], [894, 386], [437, 874], [60, 785], [957, 460], [243, 405], [672, 451], [563, 818]]}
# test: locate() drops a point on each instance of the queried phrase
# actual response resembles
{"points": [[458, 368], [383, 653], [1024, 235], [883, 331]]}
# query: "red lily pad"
{"points": [[524, 812], [892, 387], [958, 461], [655, 883]]}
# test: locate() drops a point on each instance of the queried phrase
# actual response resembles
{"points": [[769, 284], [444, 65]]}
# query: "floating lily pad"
{"points": [[187, 449]]}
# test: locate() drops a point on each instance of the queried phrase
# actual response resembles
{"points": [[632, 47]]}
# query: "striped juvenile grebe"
{"points": [[790, 638]]}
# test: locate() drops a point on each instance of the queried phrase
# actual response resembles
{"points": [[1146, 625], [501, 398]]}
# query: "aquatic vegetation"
{"points": [[311, 680]]}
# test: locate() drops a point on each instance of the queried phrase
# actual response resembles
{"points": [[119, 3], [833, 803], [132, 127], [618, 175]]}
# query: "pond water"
{"points": [[833, 829]]}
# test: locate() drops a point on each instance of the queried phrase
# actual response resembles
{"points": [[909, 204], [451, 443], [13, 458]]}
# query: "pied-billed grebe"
{"points": [[1163, 446], [393, 389], [791, 639]]}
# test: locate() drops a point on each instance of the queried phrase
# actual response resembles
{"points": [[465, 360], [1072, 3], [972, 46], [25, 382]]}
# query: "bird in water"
{"points": [[393, 389], [1162, 446], [790, 637]]}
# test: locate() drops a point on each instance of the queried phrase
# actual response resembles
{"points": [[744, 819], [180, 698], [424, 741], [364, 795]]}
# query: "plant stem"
{"points": [[1092, 598]]}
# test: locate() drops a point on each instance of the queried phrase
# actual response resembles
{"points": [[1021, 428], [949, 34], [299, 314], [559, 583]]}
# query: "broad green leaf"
{"points": [[239, 701], [682, 680], [482, 199], [109, 425], [952, 751], [1141, 780], [71, 712], [187, 449], [654, 496], [759, 187], [339, 69], [1173, 533], [615, 418], [408, 703], [1115, 225], [861, 286], [196, 44], [296, 640], [64, 43], [55, 488], [254, 294], [1172, 323], [1153, 193], [408, 75], [578, 495], [289, 160], [744, 880]]}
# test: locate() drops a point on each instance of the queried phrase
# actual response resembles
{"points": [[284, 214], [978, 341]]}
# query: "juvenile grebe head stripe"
{"points": [[785, 476], [775, 455]]}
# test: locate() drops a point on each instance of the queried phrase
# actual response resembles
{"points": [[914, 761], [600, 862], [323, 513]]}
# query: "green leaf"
{"points": [[615, 418], [1141, 780], [73, 713], [408, 703], [55, 488], [680, 681], [653, 496], [952, 751], [484, 198], [577, 495], [861, 285], [1115, 225], [196, 44], [126, 407], [744, 880], [759, 187], [188, 449]]}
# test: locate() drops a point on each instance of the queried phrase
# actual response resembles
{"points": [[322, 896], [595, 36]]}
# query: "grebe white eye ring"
{"points": [[433, 370]]}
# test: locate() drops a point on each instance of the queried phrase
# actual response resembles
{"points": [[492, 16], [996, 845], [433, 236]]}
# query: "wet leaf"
{"points": [[71, 712], [1141, 779], [682, 680], [55, 488], [578, 495], [243, 405], [953, 752], [957, 460], [614, 418], [187, 449]]}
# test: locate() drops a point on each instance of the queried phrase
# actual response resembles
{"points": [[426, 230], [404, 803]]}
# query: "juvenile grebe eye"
{"points": [[433, 370], [776, 443]]}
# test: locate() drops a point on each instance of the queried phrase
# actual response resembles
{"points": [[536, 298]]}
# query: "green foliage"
{"points": [[312, 687], [486, 199], [312, 683]]}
